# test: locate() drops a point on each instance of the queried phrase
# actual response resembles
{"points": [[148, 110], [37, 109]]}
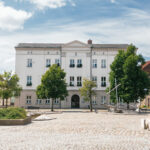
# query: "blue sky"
{"points": [[103, 21]]}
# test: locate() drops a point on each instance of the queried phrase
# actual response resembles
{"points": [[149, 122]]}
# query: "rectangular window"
{"points": [[48, 63], [94, 102], [29, 63], [103, 81], [79, 81], [56, 101], [57, 61], [94, 78], [71, 81], [103, 99], [47, 101], [79, 63], [94, 63], [28, 100], [72, 65], [29, 80], [103, 63], [39, 101]]}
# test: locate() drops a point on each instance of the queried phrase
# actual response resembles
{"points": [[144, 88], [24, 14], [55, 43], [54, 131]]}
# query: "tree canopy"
{"points": [[9, 86], [127, 70], [53, 85], [87, 91]]}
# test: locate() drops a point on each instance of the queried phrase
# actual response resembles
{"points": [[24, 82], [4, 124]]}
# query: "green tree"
{"points": [[126, 69], [53, 85], [9, 86], [87, 91]]}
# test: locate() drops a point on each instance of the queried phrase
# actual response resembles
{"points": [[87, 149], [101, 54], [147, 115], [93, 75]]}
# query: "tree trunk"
{"points": [[6, 102], [3, 102], [91, 108], [128, 106], [60, 104], [52, 109]]}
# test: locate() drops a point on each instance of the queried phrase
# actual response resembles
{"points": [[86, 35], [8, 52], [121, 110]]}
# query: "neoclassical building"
{"points": [[79, 60]]}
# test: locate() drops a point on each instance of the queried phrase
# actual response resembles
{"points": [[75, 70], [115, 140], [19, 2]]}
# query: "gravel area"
{"points": [[78, 131]]}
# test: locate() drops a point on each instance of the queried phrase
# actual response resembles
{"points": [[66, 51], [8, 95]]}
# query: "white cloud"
{"points": [[12, 19], [112, 1], [41, 4]]}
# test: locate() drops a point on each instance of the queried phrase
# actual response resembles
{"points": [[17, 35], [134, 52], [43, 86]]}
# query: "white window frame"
{"points": [[47, 101], [79, 81], [103, 100], [56, 101], [71, 81], [72, 63], [103, 81], [94, 78], [94, 63], [103, 63], [48, 62], [79, 63], [29, 63], [39, 101], [28, 99], [57, 62], [29, 80]]}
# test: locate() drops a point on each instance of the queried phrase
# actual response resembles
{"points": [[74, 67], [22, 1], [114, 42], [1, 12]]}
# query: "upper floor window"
{"points": [[103, 99], [29, 80], [94, 63], [71, 81], [103, 81], [72, 63], [48, 62], [57, 61], [79, 63], [103, 63], [79, 81], [94, 78], [29, 63], [28, 100]]}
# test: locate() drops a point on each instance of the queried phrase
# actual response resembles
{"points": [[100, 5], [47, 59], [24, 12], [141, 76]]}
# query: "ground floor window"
{"points": [[103, 99], [94, 102], [47, 101], [56, 101], [28, 100], [39, 101]]}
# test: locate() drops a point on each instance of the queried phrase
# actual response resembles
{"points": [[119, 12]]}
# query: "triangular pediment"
{"points": [[76, 43]]}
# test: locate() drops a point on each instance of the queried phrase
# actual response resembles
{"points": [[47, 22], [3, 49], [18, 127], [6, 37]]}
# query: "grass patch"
{"points": [[13, 113]]}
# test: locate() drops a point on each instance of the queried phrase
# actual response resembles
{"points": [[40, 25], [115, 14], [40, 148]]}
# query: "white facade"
{"points": [[31, 61]]}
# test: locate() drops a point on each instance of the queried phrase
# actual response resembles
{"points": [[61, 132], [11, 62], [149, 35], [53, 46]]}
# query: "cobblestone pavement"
{"points": [[78, 131]]}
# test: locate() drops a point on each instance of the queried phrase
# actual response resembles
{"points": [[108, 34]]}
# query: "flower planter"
{"points": [[10, 122]]}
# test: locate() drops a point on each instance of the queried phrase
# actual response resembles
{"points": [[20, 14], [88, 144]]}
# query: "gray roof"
{"points": [[38, 45], [58, 45]]}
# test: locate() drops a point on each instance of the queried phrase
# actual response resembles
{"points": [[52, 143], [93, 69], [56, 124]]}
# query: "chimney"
{"points": [[89, 41]]}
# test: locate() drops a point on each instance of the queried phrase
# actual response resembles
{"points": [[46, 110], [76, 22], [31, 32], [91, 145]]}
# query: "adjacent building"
{"points": [[79, 60]]}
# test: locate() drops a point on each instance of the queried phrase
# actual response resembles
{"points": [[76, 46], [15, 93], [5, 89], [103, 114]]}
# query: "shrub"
{"points": [[12, 113]]}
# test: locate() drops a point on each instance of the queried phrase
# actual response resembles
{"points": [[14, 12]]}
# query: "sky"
{"points": [[57, 21]]}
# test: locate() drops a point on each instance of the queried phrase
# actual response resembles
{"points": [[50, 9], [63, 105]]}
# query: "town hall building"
{"points": [[79, 60]]}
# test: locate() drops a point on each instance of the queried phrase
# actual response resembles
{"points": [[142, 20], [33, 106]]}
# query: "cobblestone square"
{"points": [[78, 131]]}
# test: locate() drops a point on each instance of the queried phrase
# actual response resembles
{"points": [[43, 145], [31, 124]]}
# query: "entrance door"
{"points": [[75, 101]]}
